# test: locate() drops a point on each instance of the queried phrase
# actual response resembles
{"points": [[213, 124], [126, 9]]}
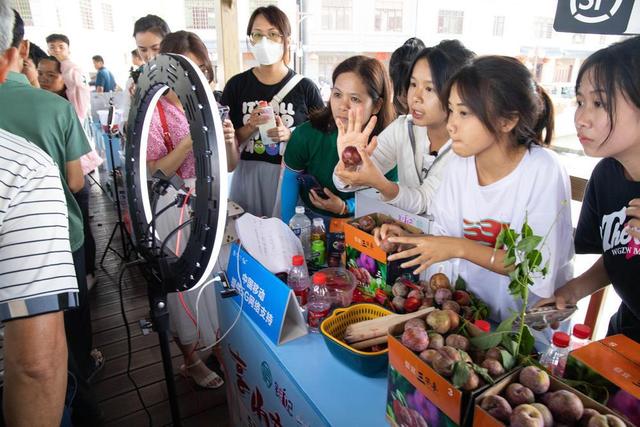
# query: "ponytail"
{"points": [[546, 121]]}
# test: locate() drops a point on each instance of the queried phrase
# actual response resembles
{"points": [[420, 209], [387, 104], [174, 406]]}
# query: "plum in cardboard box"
{"points": [[609, 371], [416, 391], [482, 418], [368, 262]]}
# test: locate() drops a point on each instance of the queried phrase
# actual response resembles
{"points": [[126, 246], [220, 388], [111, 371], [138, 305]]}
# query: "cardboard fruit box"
{"points": [[431, 395], [609, 371], [368, 262], [482, 418]]}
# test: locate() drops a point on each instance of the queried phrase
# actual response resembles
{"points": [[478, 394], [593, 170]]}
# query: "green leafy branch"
{"points": [[524, 259]]}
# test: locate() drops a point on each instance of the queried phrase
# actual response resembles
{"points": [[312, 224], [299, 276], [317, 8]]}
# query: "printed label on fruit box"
{"points": [[435, 387]]}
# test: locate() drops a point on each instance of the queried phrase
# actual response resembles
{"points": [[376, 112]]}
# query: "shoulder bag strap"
{"points": [[412, 138], [282, 93], [166, 136]]}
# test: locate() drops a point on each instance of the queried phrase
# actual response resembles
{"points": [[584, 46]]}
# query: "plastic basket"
{"points": [[333, 329]]}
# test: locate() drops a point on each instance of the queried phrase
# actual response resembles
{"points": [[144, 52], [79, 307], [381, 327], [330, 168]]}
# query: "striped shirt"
{"points": [[37, 275]]}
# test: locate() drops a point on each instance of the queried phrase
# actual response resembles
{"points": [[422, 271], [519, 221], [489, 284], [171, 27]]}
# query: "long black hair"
{"points": [[400, 66], [613, 68], [495, 87]]}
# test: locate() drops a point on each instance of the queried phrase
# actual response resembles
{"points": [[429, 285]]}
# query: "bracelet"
{"points": [[493, 256], [343, 211]]}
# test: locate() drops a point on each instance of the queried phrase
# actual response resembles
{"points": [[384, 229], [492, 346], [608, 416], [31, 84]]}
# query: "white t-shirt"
{"points": [[538, 190], [394, 149]]}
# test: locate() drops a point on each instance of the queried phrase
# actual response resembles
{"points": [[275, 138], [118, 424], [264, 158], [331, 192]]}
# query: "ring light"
{"points": [[178, 73]]}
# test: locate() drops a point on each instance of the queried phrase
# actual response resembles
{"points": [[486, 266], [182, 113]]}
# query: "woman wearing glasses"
{"points": [[255, 179]]}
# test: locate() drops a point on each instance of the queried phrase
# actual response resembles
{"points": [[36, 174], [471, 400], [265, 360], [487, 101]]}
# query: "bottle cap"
{"points": [[561, 339], [318, 221], [297, 260], [300, 210], [319, 278], [483, 325], [581, 331]]}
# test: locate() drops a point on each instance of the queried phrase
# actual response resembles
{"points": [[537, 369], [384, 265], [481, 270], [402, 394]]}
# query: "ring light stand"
{"points": [[167, 272]]}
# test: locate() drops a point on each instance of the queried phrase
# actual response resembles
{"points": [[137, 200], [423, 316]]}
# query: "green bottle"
{"points": [[318, 253]]}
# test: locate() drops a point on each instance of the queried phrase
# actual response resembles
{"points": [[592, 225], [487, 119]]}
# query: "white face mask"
{"points": [[267, 52]]}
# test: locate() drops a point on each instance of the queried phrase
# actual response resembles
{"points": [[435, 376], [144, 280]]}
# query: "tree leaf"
{"points": [[460, 374], [500, 239], [534, 259], [486, 341], [527, 342], [529, 243], [526, 230], [508, 361], [483, 372], [461, 284], [507, 324], [509, 343]]}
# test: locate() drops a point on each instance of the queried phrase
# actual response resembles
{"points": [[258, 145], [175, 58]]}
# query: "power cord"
{"points": [[126, 325], [240, 290]]}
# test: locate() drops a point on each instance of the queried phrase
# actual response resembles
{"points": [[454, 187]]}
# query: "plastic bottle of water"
{"points": [[580, 338], [298, 279], [301, 226], [319, 302], [267, 111], [555, 358]]}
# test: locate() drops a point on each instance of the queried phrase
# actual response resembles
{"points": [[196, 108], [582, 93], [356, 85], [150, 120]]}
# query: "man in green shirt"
{"points": [[50, 122]]}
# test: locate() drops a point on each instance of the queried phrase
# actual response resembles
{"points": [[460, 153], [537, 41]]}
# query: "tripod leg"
{"points": [[108, 247], [160, 319]]}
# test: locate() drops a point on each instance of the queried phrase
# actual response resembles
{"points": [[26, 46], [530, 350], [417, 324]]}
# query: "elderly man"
{"points": [[36, 266]]}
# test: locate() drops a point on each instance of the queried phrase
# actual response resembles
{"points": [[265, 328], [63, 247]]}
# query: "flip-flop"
{"points": [[98, 363], [210, 381]]}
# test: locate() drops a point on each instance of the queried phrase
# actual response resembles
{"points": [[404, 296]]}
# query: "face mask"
{"points": [[267, 52]]}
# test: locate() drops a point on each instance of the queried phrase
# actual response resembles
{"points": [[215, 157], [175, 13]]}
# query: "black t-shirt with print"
{"points": [[242, 94], [600, 231]]}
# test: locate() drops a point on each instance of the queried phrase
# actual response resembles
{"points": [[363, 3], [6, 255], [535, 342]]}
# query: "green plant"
{"points": [[524, 259]]}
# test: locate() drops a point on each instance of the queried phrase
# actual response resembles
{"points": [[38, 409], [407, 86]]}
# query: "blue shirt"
{"points": [[105, 79]]}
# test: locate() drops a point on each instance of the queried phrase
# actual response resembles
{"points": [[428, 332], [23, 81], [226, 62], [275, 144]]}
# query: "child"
{"points": [[361, 89], [499, 176], [417, 143], [607, 120]]}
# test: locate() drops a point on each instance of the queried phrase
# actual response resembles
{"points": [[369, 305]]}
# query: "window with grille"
{"points": [[336, 15], [326, 64], [388, 16], [543, 28], [498, 26], [107, 17], [450, 21], [24, 9], [199, 14], [86, 14]]}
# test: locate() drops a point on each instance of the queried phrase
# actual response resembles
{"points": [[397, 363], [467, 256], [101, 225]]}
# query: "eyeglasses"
{"points": [[256, 37]]}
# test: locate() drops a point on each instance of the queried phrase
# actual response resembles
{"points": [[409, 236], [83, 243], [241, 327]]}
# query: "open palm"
{"points": [[352, 133]]}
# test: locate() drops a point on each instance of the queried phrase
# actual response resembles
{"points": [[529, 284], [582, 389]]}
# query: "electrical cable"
{"points": [[240, 289], [184, 205], [126, 325]]}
